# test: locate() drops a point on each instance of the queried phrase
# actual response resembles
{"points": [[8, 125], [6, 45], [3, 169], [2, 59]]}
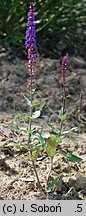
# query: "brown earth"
{"points": [[17, 180]]}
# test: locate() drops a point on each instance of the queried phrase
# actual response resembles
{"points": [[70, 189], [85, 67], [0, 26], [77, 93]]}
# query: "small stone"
{"points": [[80, 182], [72, 181]]}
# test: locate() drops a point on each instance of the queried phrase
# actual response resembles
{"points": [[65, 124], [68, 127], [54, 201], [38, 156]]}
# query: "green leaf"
{"points": [[58, 140], [14, 126], [38, 135], [51, 145], [49, 187], [42, 105], [51, 183], [27, 101], [13, 144], [35, 103], [51, 178], [33, 90], [60, 132], [62, 116], [34, 153], [36, 114], [24, 129], [45, 134], [71, 157], [53, 129], [61, 112], [25, 117]]}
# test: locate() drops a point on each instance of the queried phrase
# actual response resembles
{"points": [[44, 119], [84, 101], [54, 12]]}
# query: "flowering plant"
{"points": [[40, 140]]}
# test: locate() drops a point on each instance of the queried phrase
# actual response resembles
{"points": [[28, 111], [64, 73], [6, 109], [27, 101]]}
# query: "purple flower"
{"points": [[64, 65], [30, 39], [64, 68]]}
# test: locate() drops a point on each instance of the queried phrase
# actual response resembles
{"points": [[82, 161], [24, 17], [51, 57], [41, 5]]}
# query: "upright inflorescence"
{"points": [[30, 42], [64, 68]]}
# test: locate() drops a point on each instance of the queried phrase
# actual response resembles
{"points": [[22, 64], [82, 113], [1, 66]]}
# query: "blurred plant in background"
{"points": [[61, 21]]}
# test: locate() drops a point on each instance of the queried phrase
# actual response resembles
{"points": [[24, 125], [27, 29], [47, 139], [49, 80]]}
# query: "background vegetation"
{"points": [[60, 25]]}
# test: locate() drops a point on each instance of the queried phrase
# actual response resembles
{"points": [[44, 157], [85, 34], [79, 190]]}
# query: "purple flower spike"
{"points": [[64, 68], [64, 64], [30, 40]]}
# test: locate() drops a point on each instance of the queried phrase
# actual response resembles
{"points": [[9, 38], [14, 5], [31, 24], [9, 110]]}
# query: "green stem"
{"points": [[35, 171], [30, 122], [51, 167], [29, 137]]}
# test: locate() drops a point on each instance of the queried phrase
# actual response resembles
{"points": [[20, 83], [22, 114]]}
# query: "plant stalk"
{"points": [[64, 68], [51, 167], [29, 137], [63, 106]]}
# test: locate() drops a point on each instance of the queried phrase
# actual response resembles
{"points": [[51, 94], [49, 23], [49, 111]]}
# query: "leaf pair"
{"points": [[33, 104], [62, 116]]}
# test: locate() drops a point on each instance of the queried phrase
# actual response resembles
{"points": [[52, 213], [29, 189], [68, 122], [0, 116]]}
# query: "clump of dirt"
{"points": [[17, 179]]}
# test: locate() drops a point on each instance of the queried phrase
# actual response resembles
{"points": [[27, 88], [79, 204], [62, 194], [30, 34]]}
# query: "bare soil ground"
{"points": [[17, 180]]}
